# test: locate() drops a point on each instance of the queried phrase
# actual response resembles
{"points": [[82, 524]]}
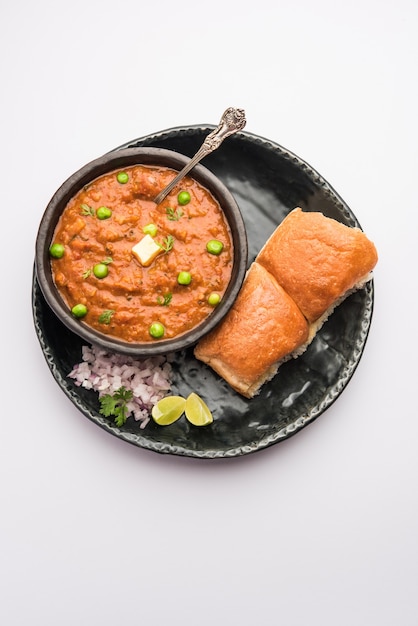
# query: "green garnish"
{"points": [[106, 316], [87, 273], [165, 300], [116, 405], [87, 210], [174, 215], [167, 244]]}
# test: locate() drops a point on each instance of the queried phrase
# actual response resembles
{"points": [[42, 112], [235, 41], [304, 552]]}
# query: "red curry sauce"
{"points": [[131, 297]]}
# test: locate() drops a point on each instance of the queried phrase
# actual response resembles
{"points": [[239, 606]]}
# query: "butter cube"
{"points": [[146, 250]]}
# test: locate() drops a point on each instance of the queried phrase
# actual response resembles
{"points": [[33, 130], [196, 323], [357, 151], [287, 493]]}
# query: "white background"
{"points": [[321, 529]]}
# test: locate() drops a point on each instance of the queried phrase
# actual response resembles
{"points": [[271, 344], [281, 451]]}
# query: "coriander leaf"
{"points": [[167, 244], [106, 316], [173, 215], [120, 415], [107, 405], [123, 394], [165, 300], [87, 210], [116, 405]]}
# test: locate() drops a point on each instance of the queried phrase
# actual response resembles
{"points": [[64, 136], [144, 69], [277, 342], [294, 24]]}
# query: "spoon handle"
{"points": [[231, 122]]}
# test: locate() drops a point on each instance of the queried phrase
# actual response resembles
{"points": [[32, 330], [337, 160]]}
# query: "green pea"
{"points": [[214, 246], [214, 298], [79, 310], [103, 213], [183, 198], [150, 229], [184, 278], [156, 330], [122, 178], [57, 250], [100, 270]]}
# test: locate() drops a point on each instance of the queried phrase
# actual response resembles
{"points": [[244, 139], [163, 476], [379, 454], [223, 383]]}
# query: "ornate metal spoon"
{"points": [[231, 122]]}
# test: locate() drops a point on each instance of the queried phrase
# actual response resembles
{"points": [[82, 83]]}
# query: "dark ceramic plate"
{"points": [[267, 181]]}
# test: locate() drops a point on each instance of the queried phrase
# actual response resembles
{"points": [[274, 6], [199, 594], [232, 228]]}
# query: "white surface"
{"points": [[321, 529]]}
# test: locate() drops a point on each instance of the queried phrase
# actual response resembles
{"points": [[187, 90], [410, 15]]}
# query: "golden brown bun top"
{"points": [[263, 326], [317, 259]]}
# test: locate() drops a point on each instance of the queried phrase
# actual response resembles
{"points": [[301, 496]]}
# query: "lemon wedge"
{"points": [[168, 410], [197, 412]]}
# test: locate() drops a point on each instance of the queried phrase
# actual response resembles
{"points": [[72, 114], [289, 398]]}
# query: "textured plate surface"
{"points": [[267, 181]]}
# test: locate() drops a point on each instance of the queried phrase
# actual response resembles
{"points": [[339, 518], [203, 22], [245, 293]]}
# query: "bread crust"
{"points": [[317, 260], [263, 327], [306, 268]]}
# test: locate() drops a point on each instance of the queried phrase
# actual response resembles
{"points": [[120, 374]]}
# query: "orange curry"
{"points": [[97, 273]]}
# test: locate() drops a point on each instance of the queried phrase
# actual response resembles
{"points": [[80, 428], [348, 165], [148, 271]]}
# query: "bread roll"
{"points": [[306, 268], [263, 328], [317, 260]]}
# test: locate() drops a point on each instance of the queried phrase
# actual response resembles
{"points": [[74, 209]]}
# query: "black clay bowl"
{"points": [[108, 163]]}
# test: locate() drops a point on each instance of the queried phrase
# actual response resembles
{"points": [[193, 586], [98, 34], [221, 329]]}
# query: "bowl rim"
{"points": [[107, 163]]}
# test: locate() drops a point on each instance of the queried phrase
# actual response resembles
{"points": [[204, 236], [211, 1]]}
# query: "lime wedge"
{"points": [[197, 412], [168, 410]]}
